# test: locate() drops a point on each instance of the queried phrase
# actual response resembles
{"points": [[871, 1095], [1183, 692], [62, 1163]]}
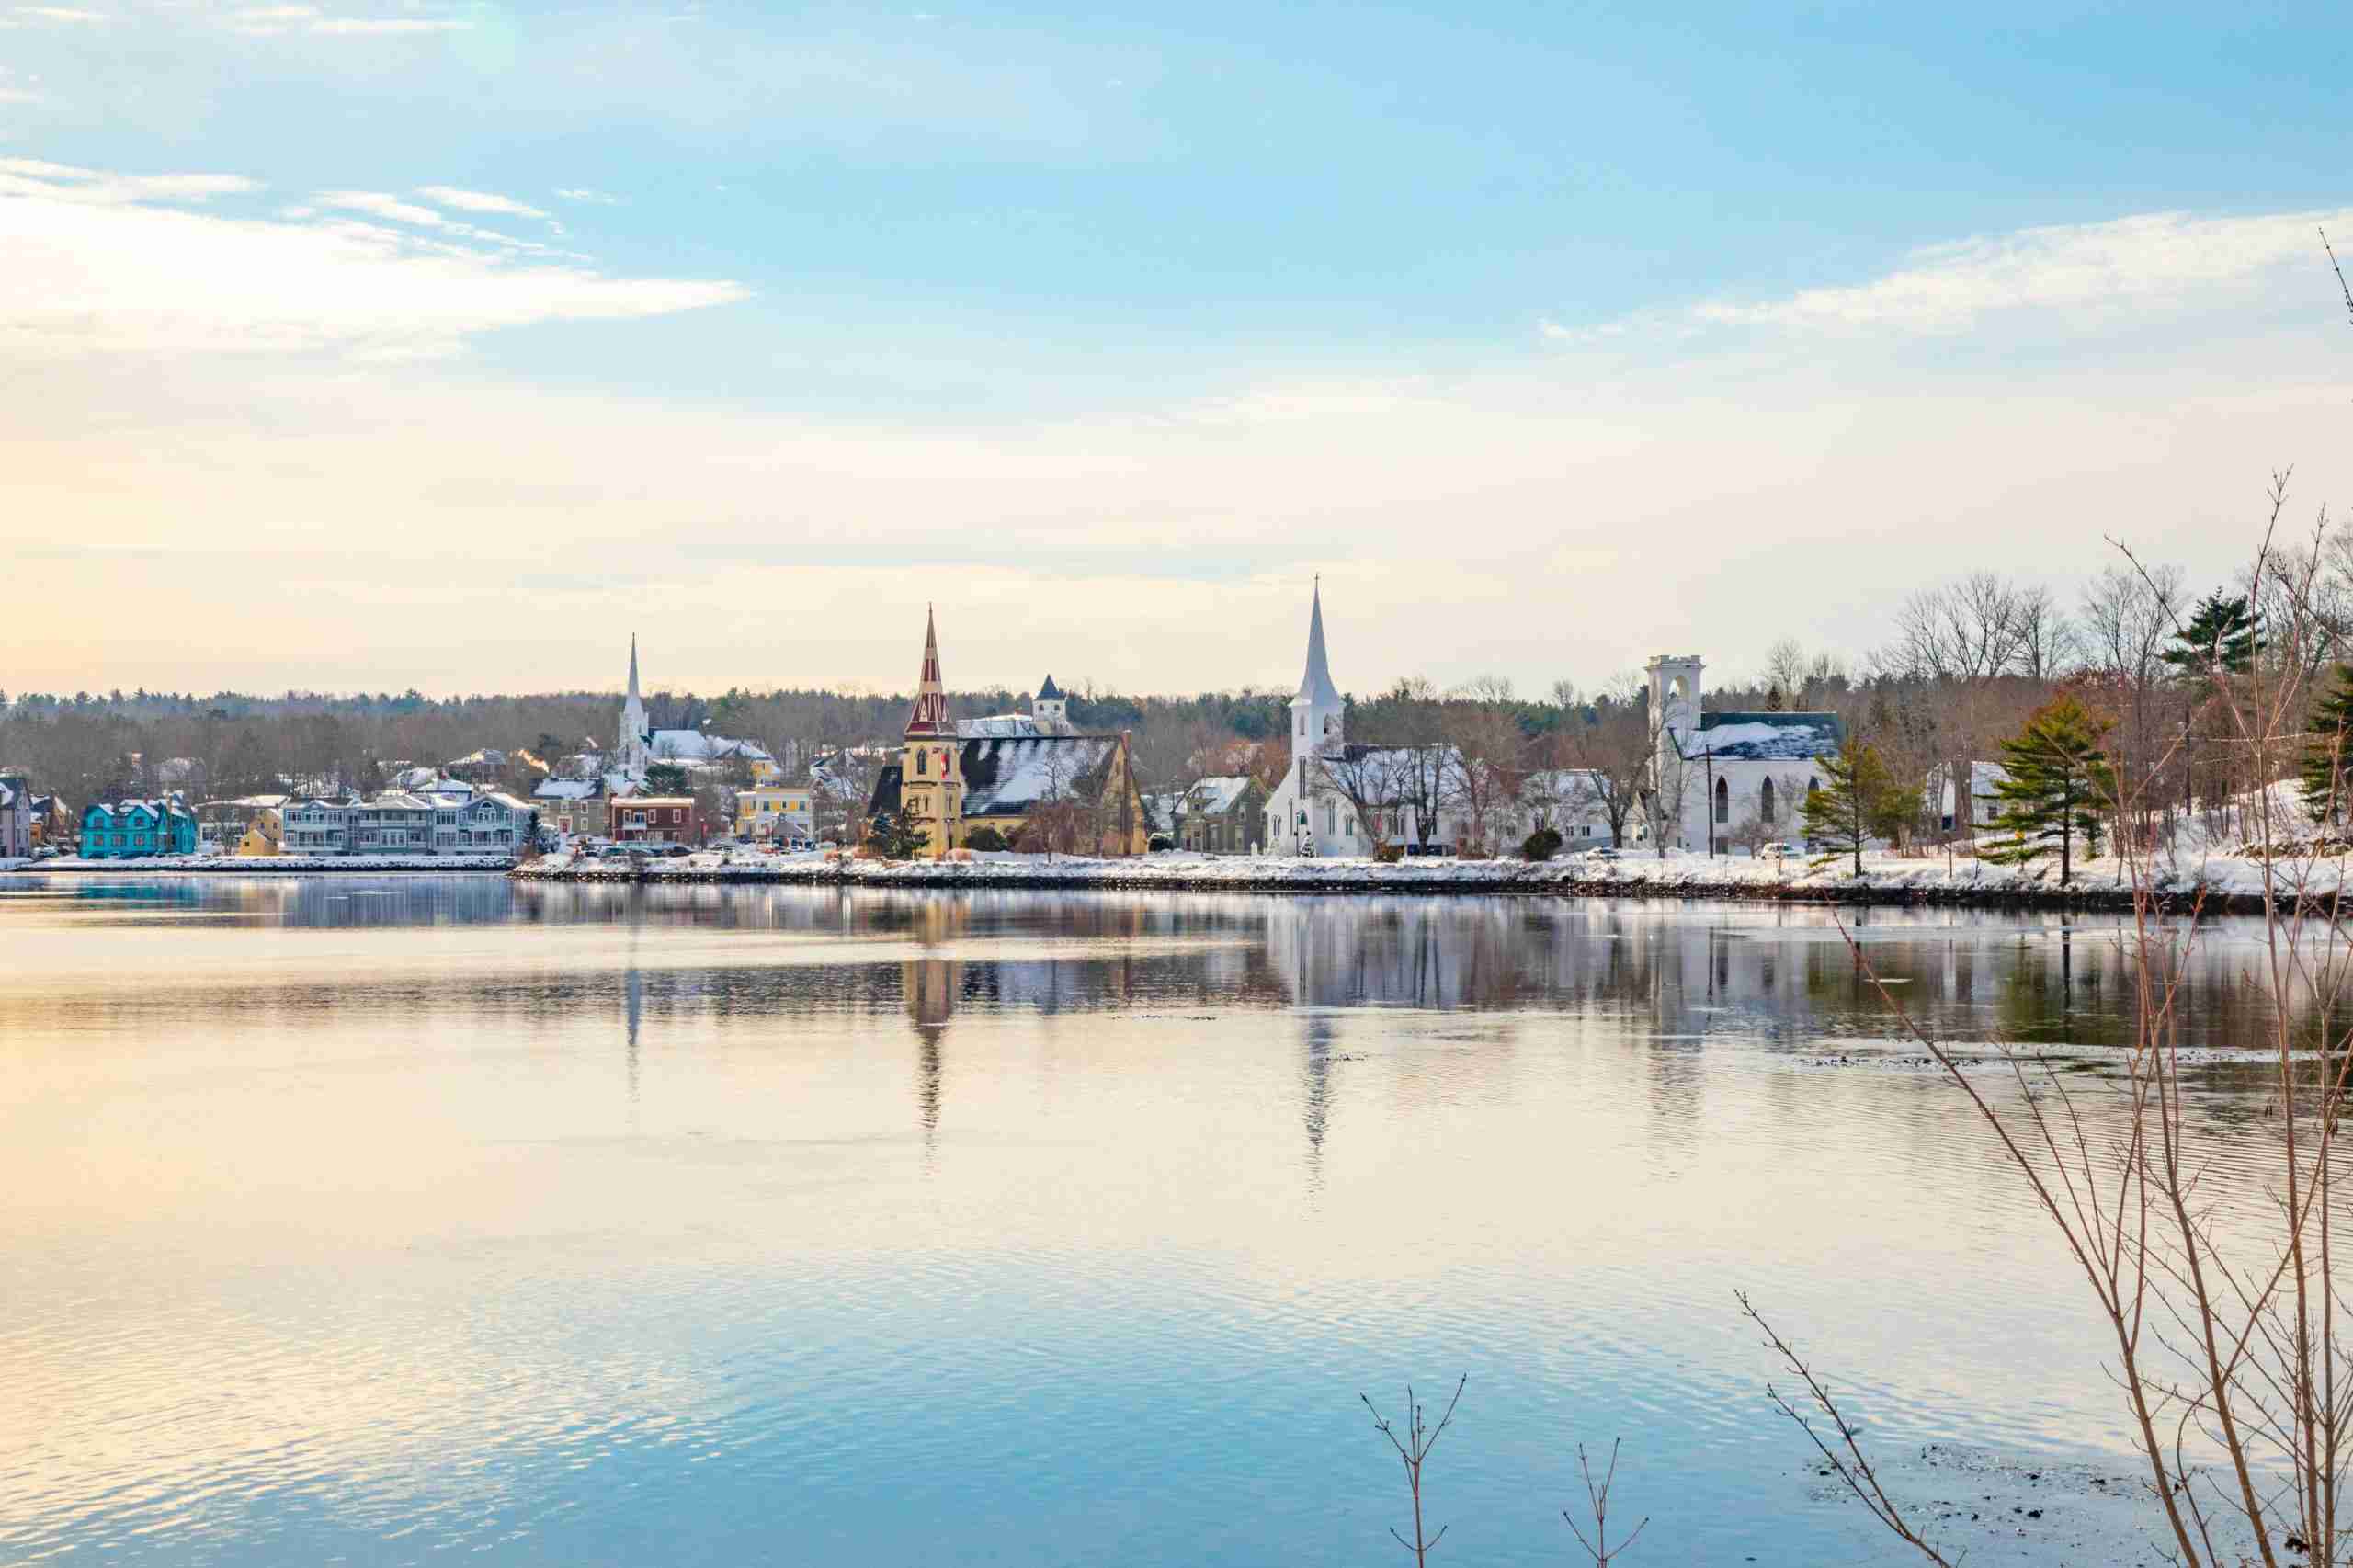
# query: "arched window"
{"points": [[1812, 785], [923, 760], [1723, 801], [1765, 803], [1302, 723]]}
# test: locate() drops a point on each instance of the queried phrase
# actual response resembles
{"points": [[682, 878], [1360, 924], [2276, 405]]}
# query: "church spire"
{"points": [[930, 715], [1315, 687], [632, 666]]}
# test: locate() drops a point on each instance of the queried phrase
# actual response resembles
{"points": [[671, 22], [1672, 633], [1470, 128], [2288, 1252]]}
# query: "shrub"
{"points": [[1542, 844], [985, 838], [1390, 854]]}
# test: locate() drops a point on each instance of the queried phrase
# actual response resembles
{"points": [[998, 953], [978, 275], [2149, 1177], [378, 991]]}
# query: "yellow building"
{"points": [[1071, 793], [775, 811], [263, 835]]}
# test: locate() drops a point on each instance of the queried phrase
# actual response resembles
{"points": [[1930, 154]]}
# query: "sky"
{"points": [[444, 344]]}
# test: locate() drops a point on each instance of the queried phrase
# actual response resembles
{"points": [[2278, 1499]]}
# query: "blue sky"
{"points": [[1555, 335]]}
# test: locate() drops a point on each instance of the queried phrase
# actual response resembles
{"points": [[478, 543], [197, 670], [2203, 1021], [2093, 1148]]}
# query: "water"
{"points": [[378, 1221]]}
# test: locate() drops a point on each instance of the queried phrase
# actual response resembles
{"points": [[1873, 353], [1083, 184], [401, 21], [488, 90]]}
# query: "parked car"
{"points": [[1605, 853], [1781, 851]]}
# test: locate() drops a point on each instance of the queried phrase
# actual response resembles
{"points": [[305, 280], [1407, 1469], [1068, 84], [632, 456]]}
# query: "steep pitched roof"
{"points": [[930, 715], [1050, 692], [1008, 776], [1316, 686]]}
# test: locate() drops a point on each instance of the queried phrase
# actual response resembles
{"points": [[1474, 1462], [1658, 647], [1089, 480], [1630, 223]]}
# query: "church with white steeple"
{"points": [[633, 740], [1305, 813]]}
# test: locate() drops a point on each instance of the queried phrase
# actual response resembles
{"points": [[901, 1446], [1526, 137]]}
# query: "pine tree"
{"points": [[898, 837], [2058, 779], [1858, 798], [2327, 772], [2223, 633]]}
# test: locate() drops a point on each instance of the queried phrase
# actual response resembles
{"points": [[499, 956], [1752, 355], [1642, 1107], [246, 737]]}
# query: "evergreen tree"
{"points": [[2327, 772], [2058, 779], [667, 779], [1856, 800], [2223, 633], [898, 837]]}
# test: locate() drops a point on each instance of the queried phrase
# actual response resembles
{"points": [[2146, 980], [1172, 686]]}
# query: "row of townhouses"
{"points": [[399, 822]]}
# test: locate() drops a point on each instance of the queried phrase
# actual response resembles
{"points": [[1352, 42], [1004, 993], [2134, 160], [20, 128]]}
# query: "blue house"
{"points": [[124, 829]]}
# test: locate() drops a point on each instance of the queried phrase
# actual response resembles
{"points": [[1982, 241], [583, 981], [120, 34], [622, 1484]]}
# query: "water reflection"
{"points": [[334, 1233]]}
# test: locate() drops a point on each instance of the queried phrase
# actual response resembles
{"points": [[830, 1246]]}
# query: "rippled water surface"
{"points": [[380, 1220]]}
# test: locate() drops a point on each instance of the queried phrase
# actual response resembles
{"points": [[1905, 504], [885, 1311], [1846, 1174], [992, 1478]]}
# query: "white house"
{"points": [[1719, 773]]}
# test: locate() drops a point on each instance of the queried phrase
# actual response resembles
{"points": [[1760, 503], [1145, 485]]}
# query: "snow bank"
{"points": [[1678, 873]]}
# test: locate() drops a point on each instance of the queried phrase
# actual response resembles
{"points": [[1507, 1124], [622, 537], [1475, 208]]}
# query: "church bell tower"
{"points": [[931, 774]]}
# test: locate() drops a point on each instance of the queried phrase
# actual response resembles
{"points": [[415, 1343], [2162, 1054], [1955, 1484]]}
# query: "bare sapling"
{"points": [[1846, 1456], [2215, 1274], [1596, 1499], [1413, 1446]]}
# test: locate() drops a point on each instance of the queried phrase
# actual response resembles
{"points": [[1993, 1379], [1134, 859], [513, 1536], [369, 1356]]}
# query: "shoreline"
{"points": [[1491, 878], [1893, 885], [268, 865]]}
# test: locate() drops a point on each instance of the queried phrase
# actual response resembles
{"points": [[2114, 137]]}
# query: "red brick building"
{"points": [[657, 819]]}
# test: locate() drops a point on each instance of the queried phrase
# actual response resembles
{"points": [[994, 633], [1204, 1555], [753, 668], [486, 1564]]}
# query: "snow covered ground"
{"points": [[1637, 872]]}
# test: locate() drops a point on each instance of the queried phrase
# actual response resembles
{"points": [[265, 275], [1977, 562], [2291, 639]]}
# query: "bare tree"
{"points": [[1613, 753], [1413, 1446], [1596, 1498], [1375, 781], [2226, 1321], [1958, 639], [1488, 760]]}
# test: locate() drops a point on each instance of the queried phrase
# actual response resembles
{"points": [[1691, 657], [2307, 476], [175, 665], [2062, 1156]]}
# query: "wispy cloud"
{"points": [[99, 262], [392, 208], [64, 14], [63, 182], [2150, 262], [479, 201], [271, 21], [581, 193], [21, 96]]}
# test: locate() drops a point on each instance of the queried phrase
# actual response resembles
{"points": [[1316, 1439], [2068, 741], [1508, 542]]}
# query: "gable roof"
{"points": [[1008, 777], [1215, 797], [1767, 737]]}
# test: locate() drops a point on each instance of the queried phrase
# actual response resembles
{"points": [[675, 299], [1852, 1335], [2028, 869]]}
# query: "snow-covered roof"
{"points": [[693, 745], [1006, 777], [1215, 797], [1767, 737], [567, 789], [1985, 780], [997, 724]]}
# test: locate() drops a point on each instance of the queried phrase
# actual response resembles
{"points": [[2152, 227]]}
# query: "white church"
{"points": [[1305, 815], [1719, 773]]}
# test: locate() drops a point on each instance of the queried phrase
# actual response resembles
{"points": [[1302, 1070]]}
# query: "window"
{"points": [[1302, 726], [923, 760], [1723, 801], [1765, 803]]}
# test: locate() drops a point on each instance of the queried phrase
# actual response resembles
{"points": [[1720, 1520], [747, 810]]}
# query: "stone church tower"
{"points": [[1050, 708], [1674, 720], [931, 779]]}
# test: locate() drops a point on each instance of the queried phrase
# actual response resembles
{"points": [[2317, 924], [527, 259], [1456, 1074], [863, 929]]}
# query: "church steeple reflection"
{"points": [[930, 986]]}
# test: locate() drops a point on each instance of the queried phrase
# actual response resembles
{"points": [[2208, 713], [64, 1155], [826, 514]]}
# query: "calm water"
{"points": [[383, 1221]]}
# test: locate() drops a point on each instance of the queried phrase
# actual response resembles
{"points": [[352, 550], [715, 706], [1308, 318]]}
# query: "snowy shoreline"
{"points": [[2218, 886], [243, 865]]}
